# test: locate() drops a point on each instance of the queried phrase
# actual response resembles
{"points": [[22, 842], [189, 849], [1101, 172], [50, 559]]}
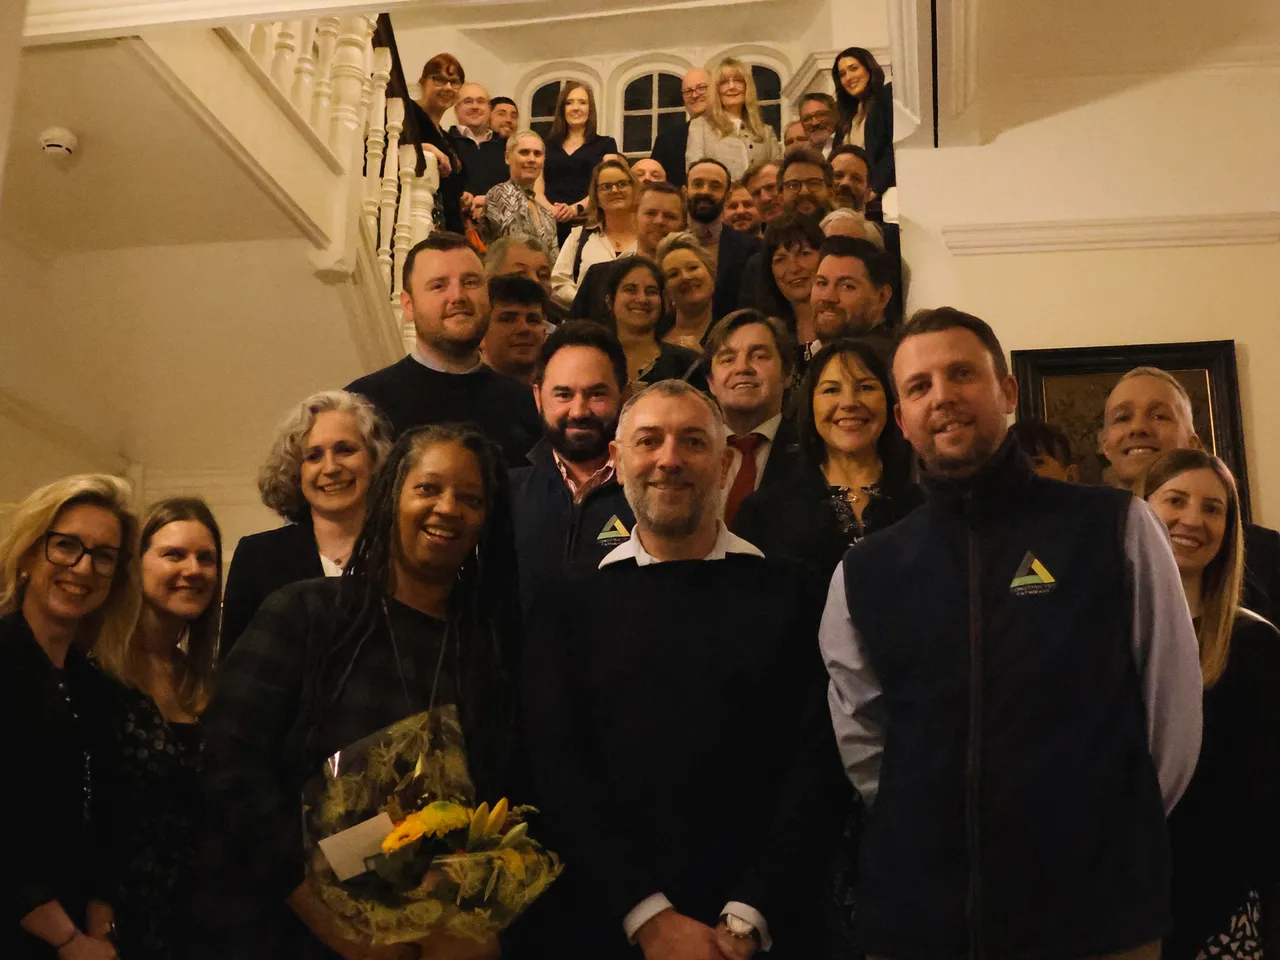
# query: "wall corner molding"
{"points": [[1053, 236]]}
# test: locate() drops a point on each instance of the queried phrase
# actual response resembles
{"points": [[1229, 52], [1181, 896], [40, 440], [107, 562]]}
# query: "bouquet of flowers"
{"points": [[398, 852]]}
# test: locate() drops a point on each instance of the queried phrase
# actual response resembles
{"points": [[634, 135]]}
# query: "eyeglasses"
{"points": [[473, 102], [66, 549], [614, 185], [699, 91], [813, 184], [818, 116], [440, 80]]}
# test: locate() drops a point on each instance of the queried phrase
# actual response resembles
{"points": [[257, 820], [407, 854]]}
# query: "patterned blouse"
{"points": [[510, 208]]}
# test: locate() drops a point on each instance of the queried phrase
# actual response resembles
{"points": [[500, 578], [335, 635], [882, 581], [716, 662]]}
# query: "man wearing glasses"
{"points": [[483, 150], [818, 115], [669, 147], [806, 181]]}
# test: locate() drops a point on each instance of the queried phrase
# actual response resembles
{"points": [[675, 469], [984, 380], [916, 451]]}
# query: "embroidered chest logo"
{"points": [[1032, 578], [613, 531]]}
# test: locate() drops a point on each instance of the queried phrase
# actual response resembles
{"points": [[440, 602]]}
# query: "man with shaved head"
{"points": [[482, 150], [669, 148], [649, 170]]}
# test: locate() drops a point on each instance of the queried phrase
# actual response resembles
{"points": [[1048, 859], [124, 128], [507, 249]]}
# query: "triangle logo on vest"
{"points": [[1032, 578], [613, 530]]}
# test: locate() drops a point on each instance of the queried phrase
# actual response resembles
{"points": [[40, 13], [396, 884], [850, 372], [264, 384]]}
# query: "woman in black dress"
{"points": [[574, 148], [316, 477], [66, 582], [865, 105], [442, 78], [427, 607], [635, 295], [163, 676], [855, 476], [1224, 832]]}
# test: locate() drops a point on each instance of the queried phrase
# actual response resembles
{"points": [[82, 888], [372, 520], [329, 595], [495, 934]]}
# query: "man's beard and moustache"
{"points": [[846, 198], [966, 464], [670, 525], [439, 337], [590, 445], [705, 208]]}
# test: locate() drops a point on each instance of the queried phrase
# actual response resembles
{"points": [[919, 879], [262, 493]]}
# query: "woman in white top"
{"points": [[610, 230], [731, 130]]}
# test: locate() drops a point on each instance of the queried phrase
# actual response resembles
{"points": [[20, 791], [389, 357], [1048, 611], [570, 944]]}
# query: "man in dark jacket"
{"points": [[1015, 687], [568, 508], [670, 146]]}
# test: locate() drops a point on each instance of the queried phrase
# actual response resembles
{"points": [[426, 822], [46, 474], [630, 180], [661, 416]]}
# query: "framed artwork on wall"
{"points": [[1068, 388]]}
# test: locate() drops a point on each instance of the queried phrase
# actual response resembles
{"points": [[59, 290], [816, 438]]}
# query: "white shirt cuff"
{"points": [[646, 910], [754, 917]]}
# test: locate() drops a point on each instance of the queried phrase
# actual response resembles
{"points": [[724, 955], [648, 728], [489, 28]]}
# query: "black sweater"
{"points": [[410, 394], [1224, 832], [678, 729]]}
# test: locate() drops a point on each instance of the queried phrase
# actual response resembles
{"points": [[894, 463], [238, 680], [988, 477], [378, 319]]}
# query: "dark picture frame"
{"points": [[1068, 387]]}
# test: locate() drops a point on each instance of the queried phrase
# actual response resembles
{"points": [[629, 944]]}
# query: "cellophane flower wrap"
{"points": [[447, 865]]}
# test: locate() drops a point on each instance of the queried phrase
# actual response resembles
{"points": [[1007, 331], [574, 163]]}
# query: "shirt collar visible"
{"points": [[488, 135], [768, 429], [417, 353], [707, 233], [726, 543], [579, 491]]}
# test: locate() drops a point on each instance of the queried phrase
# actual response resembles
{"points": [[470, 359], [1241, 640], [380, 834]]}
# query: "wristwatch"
{"points": [[740, 929]]}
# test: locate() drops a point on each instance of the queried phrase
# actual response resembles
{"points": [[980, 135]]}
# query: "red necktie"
{"points": [[745, 482]]}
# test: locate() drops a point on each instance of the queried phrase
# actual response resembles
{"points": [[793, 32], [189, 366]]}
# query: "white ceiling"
{"points": [[145, 172]]}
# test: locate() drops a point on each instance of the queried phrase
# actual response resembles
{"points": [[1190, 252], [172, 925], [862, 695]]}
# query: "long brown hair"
{"points": [[1223, 578], [193, 671], [560, 126]]}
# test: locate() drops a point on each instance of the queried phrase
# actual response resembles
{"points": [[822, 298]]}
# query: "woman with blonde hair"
{"points": [[610, 231], [150, 769], [317, 478], [732, 131], [1224, 834], [690, 274], [67, 583]]}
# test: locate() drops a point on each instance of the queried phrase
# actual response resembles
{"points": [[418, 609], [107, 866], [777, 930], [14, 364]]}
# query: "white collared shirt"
{"points": [[726, 543], [467, 132], [768, 430]]}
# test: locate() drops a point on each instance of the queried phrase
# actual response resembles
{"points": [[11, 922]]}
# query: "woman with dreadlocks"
{"points": [[425, 614]]}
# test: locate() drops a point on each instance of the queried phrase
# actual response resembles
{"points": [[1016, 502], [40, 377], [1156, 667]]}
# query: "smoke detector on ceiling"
{"points": [[59, 143]]}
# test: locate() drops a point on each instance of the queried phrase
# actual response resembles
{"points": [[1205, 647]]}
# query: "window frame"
{"points": [[654, 111]]}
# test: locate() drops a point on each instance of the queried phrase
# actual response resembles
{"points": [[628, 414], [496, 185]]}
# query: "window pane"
{"points": [[669, 91], [670, 121], [768, 84], [637, 134], [639, 94], [541, 127], [772, 115], [544, 99]]}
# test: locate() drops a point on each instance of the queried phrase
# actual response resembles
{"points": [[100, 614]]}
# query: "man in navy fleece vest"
{"points": [[1015, 688]]}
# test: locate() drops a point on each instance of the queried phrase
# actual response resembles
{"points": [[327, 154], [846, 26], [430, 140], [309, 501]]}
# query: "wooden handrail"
{"points": [[385, 36]]}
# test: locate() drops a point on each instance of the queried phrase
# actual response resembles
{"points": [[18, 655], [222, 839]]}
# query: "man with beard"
{"points": [[818, 114], [1148, 413], [517, 327], [851, 174], [659, 213], [731, 249], [851, 288], [443, 379], [504, 116], [674, 710], [672, 142], [1019, 704], [568, 508], [740, 210], [805, 179]]}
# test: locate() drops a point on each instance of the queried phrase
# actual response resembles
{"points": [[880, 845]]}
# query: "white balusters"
{"points": [[375, 138], [404, 229], [390, 186], [347, 78], [424, 197], [260, 38], [304, 74], [326, 42], [286, 46]]}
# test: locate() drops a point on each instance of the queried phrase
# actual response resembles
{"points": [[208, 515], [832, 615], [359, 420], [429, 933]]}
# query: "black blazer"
{"points": [[877, 137], [1262, 571], [784, 456], [589, 301], [669, 149], [262, 564], [736, 248]]}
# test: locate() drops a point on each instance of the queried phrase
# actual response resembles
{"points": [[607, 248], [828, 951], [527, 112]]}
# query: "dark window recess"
{"points": [[639, 94], [544, 100], [670, 121], [637, 134], [541, 127], [768, 83], [669, 91], [772, 115]]}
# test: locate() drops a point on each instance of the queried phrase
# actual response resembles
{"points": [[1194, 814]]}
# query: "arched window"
{"points": [[769, 95], [651, 104], [542, 106]]}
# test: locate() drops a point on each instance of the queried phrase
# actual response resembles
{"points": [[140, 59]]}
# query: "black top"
{"points": [[1262, 571], [448, 207], [484, 164], [877, 137], [149, 815], [675, 362], [568, 175], [669, 150], [251, 851], [262, 564], [1224, 830], [49, 719], [800, 517], [736, 248], [681, 743], [411, 394]]}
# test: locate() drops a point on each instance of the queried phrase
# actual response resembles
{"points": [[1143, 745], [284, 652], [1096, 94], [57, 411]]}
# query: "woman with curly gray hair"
{"points": [[317, 477]]}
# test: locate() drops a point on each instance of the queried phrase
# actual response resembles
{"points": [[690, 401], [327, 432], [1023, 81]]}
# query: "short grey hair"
{"points": [[684, 240], [674, 388], [868, 229], [513, 141], [280, 477], [498, 250]]}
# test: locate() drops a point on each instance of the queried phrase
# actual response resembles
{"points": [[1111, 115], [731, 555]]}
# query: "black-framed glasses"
{"points": [[699, 91], [613, 185], [66, 549], [814, 184], [441, 80]]}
